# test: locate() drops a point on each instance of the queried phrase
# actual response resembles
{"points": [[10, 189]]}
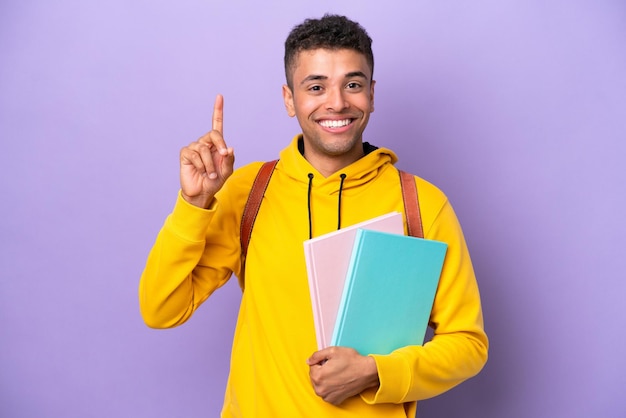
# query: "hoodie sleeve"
{"points": [[196, 252], [458, 349], [175, 281]]}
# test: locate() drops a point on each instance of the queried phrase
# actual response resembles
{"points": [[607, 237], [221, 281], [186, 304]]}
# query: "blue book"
{"points": [[388, 293]]}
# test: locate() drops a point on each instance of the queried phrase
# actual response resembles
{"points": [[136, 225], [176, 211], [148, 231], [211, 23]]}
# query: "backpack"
{"points": [[409, 197]]}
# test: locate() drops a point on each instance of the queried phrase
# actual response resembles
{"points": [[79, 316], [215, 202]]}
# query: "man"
{"points": [[327, 177]]}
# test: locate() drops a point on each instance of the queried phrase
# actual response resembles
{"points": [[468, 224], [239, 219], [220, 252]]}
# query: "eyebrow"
{"points": [[316, 77], [313, 77], [359, 74]]}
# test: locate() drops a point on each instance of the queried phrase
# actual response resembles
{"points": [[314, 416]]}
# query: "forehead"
{"points": [[329, 63]]}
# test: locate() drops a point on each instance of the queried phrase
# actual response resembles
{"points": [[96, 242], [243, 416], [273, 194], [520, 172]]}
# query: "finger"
{"points": [[206, 154], [199, 156], [218, 114], [318, 357], [228, 163], [192, 158], [215, 141]]}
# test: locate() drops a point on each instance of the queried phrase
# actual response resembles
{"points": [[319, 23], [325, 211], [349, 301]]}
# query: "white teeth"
{"points": [[334, 123]]}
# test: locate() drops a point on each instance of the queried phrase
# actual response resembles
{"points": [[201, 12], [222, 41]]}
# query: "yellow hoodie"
{"points": [[198, 250]]}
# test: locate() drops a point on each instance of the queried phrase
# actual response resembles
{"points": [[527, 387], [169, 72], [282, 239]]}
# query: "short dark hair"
{"points": [[330, 32]]}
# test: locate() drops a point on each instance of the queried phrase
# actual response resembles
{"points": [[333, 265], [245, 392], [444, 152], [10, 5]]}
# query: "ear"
{"points": [[372, 95], [288, 99]]}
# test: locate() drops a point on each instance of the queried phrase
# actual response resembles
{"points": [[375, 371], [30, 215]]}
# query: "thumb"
{"points": [[227, 163]]}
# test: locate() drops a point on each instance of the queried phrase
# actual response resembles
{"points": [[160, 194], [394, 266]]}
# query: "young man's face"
{"points": [[332, 97]]}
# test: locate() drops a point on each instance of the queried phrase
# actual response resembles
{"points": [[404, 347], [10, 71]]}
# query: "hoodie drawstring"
{"points": [[310, 175], [309, 205], [343, 177]]}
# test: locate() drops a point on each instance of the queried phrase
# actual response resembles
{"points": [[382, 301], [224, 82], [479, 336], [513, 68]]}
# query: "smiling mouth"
{"points": [[335, 123]]}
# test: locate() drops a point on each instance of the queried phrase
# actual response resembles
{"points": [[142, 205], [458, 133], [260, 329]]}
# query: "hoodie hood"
{"points": [[357, 173], [339, 183]]}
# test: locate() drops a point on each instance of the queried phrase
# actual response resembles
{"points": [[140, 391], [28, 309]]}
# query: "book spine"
{"points": [[315, 300]]}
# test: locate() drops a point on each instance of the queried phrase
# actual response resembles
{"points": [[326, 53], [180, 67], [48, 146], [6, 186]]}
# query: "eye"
{"points": [[353, 85], [315, 88]]}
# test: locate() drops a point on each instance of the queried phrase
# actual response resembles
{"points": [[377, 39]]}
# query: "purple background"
{"points": [[516, 109]]}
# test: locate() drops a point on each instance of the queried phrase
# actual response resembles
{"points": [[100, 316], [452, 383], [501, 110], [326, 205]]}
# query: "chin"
{"points": [[340, 148]]}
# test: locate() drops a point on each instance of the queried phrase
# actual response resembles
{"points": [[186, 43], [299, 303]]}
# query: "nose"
{"points": [[336, 100]]}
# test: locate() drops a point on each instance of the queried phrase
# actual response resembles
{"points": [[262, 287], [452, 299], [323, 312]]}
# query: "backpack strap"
{"points": [[254, 203], [411, 205]]}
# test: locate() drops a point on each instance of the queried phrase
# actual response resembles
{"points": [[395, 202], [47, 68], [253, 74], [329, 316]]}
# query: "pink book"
{"points": [[327, 260]]}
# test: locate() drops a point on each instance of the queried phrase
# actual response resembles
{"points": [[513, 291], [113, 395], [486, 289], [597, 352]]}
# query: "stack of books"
{"points": [[372, 288]]}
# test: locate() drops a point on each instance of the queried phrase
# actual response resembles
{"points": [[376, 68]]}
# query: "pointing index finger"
{"points": [[218, 114]]}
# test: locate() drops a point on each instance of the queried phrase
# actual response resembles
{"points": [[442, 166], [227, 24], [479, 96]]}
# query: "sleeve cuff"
{"points": [[188, 221], [395, 380]]}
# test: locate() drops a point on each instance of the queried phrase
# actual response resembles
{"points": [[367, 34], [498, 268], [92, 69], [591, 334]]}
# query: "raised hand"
{"points": [[206, 163]]}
